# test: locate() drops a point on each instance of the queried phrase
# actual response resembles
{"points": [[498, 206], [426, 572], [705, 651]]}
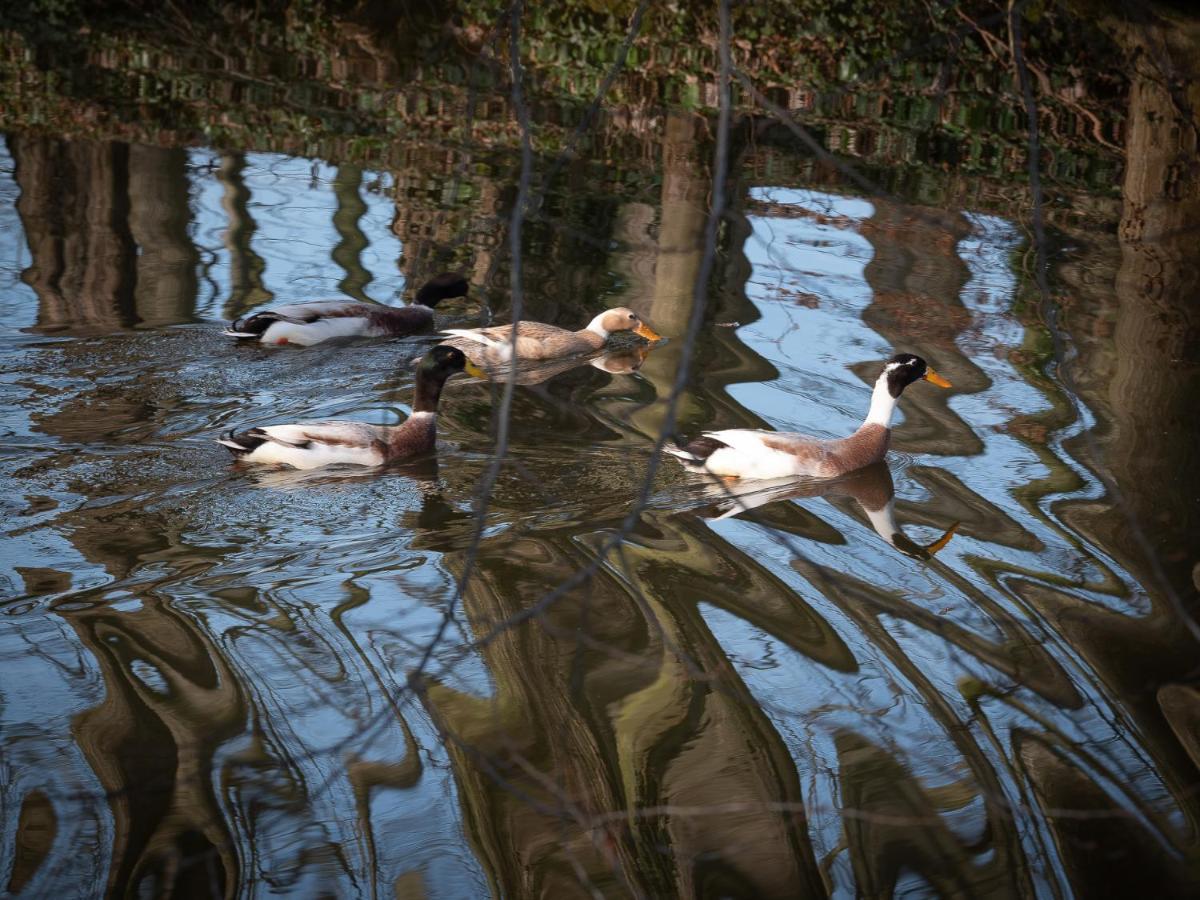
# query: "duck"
{"points": [[535, 341], [760, 454], [320, 320], [311, 445], [871, 487]]}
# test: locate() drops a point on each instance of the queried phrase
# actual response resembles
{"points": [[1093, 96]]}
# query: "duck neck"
{"points": [[883, 404], [595, 333], [429, 392]]}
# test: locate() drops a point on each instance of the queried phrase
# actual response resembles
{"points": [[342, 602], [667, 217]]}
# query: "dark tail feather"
{"points": [[442, 287], [704, 447], [252, 327], [242, 442], [696, 452]]}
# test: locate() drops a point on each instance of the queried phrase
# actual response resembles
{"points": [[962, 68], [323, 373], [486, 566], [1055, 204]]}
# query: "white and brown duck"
{"points": [[320, 320], [310, 445], [537, 341], [753, 453]]}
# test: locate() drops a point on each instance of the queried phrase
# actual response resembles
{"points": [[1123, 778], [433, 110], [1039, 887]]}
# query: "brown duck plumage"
{"points": [[320, 320], [751, 453], [310, 445], [536, 340]]}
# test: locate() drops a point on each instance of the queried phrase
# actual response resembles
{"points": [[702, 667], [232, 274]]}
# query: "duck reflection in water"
{"points": [[423, 470], [871, 487], [620, 361]]}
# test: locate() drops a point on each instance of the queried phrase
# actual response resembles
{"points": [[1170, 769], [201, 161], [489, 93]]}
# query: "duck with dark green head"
{"points": [[310, 323], [310, 445]]}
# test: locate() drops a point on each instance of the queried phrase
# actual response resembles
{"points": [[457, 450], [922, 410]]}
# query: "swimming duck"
{"points": [[310, 323], [309, 445], [752, 453], [490, 346]]}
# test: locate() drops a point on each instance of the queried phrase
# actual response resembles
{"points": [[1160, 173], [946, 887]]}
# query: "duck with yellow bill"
{"points": [[538, 341], [756, 453]]}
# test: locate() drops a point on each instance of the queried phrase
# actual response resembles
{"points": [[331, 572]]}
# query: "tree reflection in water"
{"points": [[210, 676]]}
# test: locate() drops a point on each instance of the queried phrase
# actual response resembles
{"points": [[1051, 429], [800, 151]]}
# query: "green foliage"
{"points": [[927, 88]]}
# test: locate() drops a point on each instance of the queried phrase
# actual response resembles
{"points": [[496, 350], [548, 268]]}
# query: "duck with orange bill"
{"points": [[755, 453], [538, 341]]}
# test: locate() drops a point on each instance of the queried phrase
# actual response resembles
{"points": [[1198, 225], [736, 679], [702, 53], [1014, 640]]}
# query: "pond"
{"points": [[970, 670]]}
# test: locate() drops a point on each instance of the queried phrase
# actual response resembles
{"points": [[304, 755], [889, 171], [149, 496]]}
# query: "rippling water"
{"points": [[207, 671]]}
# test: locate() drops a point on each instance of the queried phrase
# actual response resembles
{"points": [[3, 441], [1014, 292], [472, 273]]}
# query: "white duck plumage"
{"points": [[761, 454], [311, 445], [322, 320]]}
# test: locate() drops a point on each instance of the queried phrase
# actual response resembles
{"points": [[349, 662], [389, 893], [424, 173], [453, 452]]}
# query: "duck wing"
{"points": [[313, 310], [295, 313], [759, 454], [319, 320], [535, 340], [308, 445]]}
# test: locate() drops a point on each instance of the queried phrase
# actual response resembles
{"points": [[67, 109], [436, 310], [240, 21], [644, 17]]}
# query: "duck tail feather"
{"points": [[251, 326], [241, 443], [682, 453], [696, 452]]}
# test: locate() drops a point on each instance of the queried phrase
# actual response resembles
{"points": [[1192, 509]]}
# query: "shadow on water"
{"points": [[959, 672]]}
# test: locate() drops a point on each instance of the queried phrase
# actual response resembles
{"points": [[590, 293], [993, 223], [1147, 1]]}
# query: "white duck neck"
{"points": [[883, 404], [596, 326]]}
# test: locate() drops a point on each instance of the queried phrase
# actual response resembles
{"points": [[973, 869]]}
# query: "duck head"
{"points": [[905, 368], [442, 287], [899, 372], [441, 362], [621, 319], [432, 371]]}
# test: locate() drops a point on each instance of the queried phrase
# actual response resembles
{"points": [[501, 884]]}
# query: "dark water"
{"points": [[206, 672]]}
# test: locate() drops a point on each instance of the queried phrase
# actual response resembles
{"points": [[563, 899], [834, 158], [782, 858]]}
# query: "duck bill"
{"points": [[934, 378], [941, 542], [644, 330], [474, 371]]}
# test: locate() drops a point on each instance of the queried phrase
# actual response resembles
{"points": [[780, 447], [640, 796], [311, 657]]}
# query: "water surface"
{"points": [[246, 682]]}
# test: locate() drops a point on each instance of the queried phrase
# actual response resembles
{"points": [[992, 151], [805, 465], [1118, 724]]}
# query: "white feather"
{"points": [[747, 456], [308, 333], [350, 443], [501, 348], [757, 461], [474, 334]]}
